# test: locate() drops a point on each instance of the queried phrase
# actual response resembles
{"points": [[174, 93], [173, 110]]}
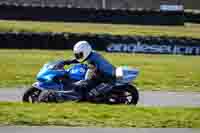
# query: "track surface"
{"points": [[147, 98], [94, 130]]}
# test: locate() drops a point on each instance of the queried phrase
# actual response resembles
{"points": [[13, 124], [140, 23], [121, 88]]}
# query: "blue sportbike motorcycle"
{"points": [[56, 84]]}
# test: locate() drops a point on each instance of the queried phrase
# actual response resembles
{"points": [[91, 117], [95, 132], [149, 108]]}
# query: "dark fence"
{"points": [[147, 17], [109, 4], [192, 17], [109, 43]]}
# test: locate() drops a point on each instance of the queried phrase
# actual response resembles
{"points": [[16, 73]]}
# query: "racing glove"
{"points": [[71, 61]]}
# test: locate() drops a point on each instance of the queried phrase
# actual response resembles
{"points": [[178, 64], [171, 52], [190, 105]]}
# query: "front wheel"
{"points": [[124, 95], [48, 96], [31, 95]]}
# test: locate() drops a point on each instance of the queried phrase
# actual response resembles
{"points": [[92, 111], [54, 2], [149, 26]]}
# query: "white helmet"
{"points": [[82, 50]]}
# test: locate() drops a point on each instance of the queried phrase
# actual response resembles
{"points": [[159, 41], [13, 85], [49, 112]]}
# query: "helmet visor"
{"points": [[78, 56]]}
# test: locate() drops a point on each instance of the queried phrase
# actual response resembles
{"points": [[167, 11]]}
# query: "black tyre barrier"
{"points": [[104, 42], [146, 17], [192, 17]]}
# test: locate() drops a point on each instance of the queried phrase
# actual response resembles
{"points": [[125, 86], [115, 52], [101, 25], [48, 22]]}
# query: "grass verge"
{"points": [[189, 30], [91, 115], [157, 72]]}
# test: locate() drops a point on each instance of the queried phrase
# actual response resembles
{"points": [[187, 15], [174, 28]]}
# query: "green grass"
{"points": [[189, 30], [91, 115], [157, 72]]}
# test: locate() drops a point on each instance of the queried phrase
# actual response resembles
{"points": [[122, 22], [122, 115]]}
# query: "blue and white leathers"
{"points": [[102, 65], [128, 74]]}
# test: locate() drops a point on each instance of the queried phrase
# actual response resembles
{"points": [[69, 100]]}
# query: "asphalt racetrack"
{"points": [[94, 130], [147, 98]]}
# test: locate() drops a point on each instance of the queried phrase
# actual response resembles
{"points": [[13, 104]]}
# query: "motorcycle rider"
{"points": [[99, 74]]}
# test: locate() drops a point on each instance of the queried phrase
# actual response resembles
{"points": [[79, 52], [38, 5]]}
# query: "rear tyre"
{"points": [[31, 95], [124, 95]]}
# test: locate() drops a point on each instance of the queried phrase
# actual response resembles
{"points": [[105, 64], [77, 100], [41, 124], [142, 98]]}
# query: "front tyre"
{"points": [[48, 96], [31, 95]]}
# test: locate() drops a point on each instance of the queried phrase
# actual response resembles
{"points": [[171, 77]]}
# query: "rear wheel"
{"points": [[31, 95], [124, 95]]}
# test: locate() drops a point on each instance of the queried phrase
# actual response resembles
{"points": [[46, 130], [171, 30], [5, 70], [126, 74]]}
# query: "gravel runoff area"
{"points": [[147, 98]]}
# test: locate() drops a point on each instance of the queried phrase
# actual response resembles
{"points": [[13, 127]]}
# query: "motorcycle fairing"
{"points": [[48, 73], [48, 86], [127, 75]]}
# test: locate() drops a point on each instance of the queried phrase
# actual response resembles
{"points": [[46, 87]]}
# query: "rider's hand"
{"points": [[59, 66], [67, 62]]}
